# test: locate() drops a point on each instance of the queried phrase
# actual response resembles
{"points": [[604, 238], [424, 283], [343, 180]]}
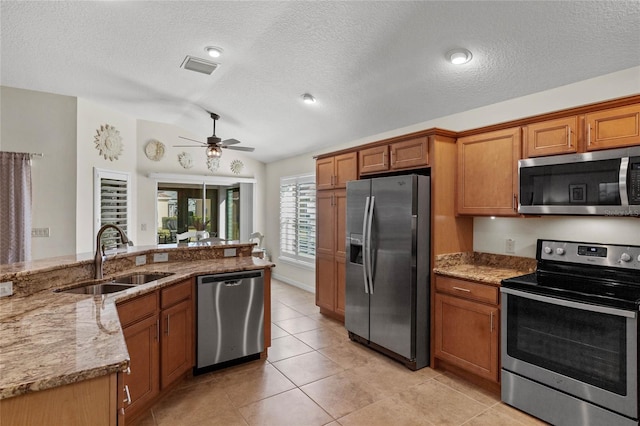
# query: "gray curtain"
{"points": [[15, 207]]}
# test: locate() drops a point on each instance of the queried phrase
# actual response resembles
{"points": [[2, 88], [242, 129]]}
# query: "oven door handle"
{"points": [[570, 303]]}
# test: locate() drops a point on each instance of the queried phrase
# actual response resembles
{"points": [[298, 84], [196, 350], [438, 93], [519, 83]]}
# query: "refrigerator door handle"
{"points": [[364, 246], [368, 239]]}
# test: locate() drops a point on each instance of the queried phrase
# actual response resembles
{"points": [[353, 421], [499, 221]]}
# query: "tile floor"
{"points": [[315, 376]]}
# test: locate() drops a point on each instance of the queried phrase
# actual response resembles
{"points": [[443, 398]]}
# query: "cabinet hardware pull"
{"points": [[589, 134], [157, 329], [128, 398], [491, 321], [515, 203], [168, 318], [569, 136], [128, 371], [462, 289]]}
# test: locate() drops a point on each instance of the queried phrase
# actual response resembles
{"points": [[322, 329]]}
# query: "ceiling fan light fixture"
{"points": [[459, 56], [214, 51], [308, 99], [214, 151]]}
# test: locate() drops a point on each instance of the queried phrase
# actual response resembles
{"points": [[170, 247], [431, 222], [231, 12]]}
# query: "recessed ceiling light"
{"points": [[308, 99], [459, 56], [213, 51]]}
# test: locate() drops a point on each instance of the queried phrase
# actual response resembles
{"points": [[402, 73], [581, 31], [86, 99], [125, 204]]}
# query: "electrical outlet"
{"points": [[510, 246], [40, 232], [229, 252], [143, 226], [160, 257], [6, 288], [141, 260]]}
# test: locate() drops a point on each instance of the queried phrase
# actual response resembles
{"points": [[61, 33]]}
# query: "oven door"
{"points": [[584, 350]]}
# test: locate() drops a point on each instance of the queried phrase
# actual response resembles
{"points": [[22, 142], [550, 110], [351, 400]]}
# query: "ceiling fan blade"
{"points": [[240, 148], [193, 140], [231, 141], [186, 146]]}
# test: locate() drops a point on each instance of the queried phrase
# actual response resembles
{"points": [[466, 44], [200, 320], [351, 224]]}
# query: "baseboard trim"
{"points": [[287, 280]]}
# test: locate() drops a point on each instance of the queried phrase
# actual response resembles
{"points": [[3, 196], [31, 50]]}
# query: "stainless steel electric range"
{"points": [[570, 335]]}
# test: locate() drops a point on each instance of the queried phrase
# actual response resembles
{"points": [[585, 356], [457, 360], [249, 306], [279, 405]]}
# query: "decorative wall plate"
{"points": [[185, 160], [108, 142], [154, 150], [213, 164], [236, 166]]}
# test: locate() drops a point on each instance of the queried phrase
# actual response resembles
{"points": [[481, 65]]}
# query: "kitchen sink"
{"points": [[94, 289], [140, 278]]}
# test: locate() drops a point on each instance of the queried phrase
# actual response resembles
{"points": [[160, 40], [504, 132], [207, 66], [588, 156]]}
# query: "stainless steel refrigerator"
{"points": [[387, 289]]}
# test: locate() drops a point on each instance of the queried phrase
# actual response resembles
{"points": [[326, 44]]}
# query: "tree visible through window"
{"points": [[298, 218]]}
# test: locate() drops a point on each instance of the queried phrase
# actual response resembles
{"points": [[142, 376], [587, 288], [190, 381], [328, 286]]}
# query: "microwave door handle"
{"points": [[622, 181], [364, 245], [369, 260]]}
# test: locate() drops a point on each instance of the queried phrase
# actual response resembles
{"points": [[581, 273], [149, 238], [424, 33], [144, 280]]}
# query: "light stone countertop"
{"points": [[483, 267], [51, 339]]}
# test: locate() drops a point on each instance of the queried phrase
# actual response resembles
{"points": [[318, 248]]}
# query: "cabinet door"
{"points": [[613, 128], [143, 382], [410, 154], [346, 169], [551, 137], [488, 173], [341, 285], [325, 282], [467, 335], [325, 223], [374, 160], [177, 341], [324, 173]]}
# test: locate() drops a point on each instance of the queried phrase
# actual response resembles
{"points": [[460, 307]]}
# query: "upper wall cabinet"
{"points": [[409, 154], [487, 173], [335, 172], [613, 128], [551, 137]]}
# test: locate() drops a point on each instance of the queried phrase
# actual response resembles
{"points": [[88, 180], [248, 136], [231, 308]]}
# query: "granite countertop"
{"points": [[52, 339], [483, 267]]}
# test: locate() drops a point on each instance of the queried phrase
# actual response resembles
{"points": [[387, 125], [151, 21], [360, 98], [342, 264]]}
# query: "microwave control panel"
{"points": [[634, 180]]}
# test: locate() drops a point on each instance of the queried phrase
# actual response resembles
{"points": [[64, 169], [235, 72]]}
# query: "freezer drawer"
{"points": [[230, 317]]}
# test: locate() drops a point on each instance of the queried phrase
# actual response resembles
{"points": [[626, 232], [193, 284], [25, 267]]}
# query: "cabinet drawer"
{"points": [[138, 308], [176, 293], [468, 290]]}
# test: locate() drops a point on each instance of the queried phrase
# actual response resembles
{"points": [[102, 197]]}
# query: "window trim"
{"points": [[297, 259]]}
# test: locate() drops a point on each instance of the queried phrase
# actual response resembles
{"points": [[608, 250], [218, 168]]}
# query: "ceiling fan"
{"points": [[214, 144]]}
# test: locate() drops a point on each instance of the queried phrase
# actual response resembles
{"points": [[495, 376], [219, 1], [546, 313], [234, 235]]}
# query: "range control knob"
{"points": [[548, 250], [625, 257], [560, 251]]}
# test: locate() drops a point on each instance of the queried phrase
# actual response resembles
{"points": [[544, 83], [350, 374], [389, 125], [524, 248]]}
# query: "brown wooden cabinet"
{"points": [[487, 174], [402, 155], [334, 172], [613, 128], [467, 320], [177, 329], [551, 137], [331, 210]]}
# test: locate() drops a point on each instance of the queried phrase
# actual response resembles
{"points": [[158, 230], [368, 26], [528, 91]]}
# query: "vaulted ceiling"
{"points": [[372, 66]]}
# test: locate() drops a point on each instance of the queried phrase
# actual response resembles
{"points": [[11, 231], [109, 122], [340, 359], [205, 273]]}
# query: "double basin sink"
{"points": [[116, 284]]}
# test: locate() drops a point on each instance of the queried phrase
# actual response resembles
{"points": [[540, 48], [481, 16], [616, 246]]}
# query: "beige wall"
{"points": [[489, 235], [45, 123]]}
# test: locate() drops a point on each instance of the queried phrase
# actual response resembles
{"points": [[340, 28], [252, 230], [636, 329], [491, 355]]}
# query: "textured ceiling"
{"points": [[373, 66]]}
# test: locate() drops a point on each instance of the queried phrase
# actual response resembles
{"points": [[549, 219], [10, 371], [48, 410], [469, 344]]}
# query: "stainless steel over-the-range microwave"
{"points": [[605, 183]]}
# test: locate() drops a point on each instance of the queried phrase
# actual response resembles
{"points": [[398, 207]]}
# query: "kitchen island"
{"points": [[53, 340]]}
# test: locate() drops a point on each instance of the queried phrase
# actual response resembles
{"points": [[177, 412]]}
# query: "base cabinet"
{"points": [[467, 331], [177, 342]]}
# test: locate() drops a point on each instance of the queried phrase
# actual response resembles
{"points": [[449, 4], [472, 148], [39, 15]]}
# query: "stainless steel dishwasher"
{"points": [[230, 319]]}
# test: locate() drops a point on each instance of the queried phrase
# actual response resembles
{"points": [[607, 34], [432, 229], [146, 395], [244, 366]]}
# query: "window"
{"points": [[111, 204], [298, 218]]}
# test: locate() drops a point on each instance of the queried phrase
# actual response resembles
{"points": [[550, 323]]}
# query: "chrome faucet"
{"points": [[100, 257]]}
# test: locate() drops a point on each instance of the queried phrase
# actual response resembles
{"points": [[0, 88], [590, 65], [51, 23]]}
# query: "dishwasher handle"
{"points": [[230, 277]]}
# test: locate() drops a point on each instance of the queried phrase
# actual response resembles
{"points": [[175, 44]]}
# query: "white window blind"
{"points": [[298, 218], [112, 204]]}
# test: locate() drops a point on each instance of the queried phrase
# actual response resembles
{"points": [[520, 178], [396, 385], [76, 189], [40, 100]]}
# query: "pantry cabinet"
{"points": [[335, 171], [613, 128], [331, 210], [402, 155], [467, 326], [487, 173]]}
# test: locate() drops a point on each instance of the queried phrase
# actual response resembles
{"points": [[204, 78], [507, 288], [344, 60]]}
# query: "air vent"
{"points": [[198, 65]]}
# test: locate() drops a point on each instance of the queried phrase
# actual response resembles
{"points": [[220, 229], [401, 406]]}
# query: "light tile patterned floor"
{"points": [[315, 376]]}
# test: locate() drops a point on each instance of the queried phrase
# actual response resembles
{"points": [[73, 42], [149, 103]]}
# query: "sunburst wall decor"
{"points": [[108, 142]]}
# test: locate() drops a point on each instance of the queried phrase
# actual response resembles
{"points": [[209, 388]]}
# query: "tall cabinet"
{"points": [[332, 175]]}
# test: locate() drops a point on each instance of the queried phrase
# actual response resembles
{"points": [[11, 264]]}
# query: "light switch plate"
{"points": [[6, 288], [141, 260], [160, 257], [229, 252]]}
